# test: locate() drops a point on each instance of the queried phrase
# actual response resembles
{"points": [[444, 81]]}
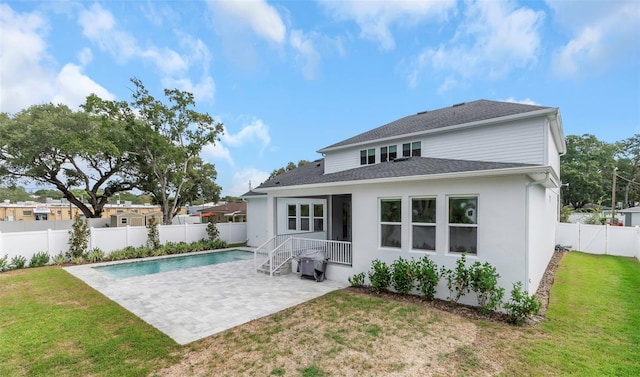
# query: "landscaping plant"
{"points": [[426, 277], [357, 280], [39, 259], [401, 276], [521, 306], [59, 259], [153, 236], [458, 280], [380, 276], [3, 263], [484, 281], [17, 262], [79, 238], [212, 231], [95, 255]]}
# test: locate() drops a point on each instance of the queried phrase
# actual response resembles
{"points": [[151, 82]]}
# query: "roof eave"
{"points": [[531, 171]]}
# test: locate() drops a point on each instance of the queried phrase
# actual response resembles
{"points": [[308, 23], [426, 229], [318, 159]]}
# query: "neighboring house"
{"points": [[228, 212], [481, 177], [631, 216], [127, 219], [61, 209]]}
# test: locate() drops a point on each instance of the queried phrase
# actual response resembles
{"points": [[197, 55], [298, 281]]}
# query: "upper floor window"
{"points": [[388, 153], [412, 149], [367, 156]]}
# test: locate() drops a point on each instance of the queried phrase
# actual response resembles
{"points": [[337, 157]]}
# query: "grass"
{"points": [[53, 324], [592, 327]]}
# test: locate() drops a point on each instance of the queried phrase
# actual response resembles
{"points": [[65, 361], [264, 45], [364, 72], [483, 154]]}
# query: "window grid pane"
{"points": [[406, 150], [424, 237], [423, 210], [390, 210], [463, 210], [393, 152]]}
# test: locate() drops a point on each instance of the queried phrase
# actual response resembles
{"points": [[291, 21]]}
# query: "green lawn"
{"points": [[53, 324], [592, 327]]}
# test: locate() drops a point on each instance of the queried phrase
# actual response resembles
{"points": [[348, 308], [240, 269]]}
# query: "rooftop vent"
{"points": [[458, 104], [398, 159], [422, 112]]}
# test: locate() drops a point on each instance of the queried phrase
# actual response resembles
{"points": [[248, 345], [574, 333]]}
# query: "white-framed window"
{"points": [[292, 217], [123, 220], [413, 149], [318, 217], [305, 218], [391, 222], [368, 156], [423, 223], [463, 224], [388, 153]]}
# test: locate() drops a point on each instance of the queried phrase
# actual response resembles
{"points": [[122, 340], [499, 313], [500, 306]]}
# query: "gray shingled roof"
{"points": [[312, 173], [449, 116]]}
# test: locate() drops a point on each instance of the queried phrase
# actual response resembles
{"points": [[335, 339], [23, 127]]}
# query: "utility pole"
{"points": [[613, 198]]}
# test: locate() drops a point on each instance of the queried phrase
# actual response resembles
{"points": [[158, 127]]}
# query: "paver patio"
{"points": [[194, 303]]}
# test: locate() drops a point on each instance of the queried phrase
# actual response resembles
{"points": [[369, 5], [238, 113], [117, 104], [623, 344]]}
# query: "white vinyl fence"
{"points": [[600, 239], [26, 244]]}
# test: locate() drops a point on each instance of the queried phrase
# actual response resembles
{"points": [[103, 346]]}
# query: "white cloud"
{"points": [[28, 74], [85, 56], [494, 38], [263, 19], [526, 101], [375, 18], [603, 33], [241, 179], [306, 51], [218, 152], [255, 131], [98, 24]]}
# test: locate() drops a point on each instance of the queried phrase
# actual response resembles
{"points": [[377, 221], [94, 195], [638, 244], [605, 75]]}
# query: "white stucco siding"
{"points": [[257, 230], [543, 211], [521, 142], [501, 225]]}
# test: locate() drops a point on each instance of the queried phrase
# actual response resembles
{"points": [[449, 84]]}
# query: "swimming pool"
{"points": [[148, 267]]}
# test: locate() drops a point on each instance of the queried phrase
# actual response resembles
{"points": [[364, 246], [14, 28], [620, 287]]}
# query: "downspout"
{"points": [[526, 224]]}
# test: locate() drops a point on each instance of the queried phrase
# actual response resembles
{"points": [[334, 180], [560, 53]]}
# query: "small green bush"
{"points": [[153, 235], [79, 238], [60, 259], [118, 255], [484, 281], [39, 259], [17, 262], [357, 280], [78, 260], [95, 255], [458, 280], [401, 276], [379, 276], [4, 265], [426, 276], [521, 306]]}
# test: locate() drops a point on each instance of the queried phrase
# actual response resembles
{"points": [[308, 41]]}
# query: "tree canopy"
{"points": [[290, 166], [588, 168], [112, 147]]}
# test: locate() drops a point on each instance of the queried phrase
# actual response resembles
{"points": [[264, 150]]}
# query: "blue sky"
{"points": [[289, 78]]}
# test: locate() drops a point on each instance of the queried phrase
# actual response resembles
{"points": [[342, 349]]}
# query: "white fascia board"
{"points": [[532, 114], [534, 172]]}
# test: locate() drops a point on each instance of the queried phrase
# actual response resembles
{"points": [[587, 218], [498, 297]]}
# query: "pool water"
{"points": [[131, 269]]}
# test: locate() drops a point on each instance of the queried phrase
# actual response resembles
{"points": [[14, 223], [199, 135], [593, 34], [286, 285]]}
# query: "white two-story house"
{"points": [[481, 177]]}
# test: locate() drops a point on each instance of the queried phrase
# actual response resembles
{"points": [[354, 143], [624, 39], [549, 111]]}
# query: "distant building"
{"points": [[64, 210], [228, 212]]}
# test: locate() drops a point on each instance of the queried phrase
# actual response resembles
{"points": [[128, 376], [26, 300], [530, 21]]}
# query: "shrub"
{"points": [[426, 276], [484, 281], [159, 251], [521, 306], [212, 231], [78, 260], [357, 280], [95, 255], [3, 263], [79, 238], [458, 280], [17, 262], [39, 259], [59, 259], [380, 276], [118, 255], [401, 276], [153, 236]]}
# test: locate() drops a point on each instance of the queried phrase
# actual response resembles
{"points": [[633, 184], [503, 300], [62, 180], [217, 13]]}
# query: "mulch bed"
{"points": [[474, 312]]}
